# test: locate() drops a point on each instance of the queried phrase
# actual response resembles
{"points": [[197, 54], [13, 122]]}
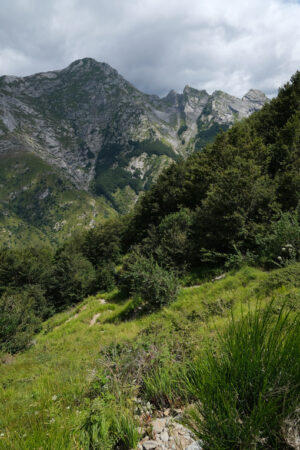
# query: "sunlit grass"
{"points": [[43, 396]]}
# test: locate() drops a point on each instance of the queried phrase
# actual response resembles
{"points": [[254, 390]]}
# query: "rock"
{"points": [[164, 436], [158, 425], [220, 277], [44, 110], [148, 445], [195, 446]]}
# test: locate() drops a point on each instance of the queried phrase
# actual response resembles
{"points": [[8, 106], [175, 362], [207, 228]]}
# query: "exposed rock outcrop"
{"points": [[102, 131]]}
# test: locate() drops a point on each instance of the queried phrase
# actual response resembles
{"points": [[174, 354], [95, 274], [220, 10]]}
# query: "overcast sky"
{"points": [[157, 45]]}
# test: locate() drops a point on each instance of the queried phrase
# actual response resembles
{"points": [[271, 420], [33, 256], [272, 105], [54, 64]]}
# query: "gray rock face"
{"points": [[195, 446], [103, 132]]}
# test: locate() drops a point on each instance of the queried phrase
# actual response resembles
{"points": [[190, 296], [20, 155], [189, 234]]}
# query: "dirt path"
{"points": [[94, 319], [71, 318]]}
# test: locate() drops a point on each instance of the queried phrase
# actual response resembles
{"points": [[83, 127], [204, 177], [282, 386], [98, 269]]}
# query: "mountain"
{"points": [[85, 136]]}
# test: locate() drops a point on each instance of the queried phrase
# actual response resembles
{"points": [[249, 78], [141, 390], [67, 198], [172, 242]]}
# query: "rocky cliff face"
{"points": [[105, 134]]}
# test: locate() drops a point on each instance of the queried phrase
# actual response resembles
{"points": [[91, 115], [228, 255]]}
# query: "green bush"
{"points": [[171, 242], [21, 314], [71, 279], [286, 276], [144, 277], [105, 428], [249, 388], [106, 277], [281, 245]]}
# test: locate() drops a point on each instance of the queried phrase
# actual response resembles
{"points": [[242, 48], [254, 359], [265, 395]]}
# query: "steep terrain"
{"points": [[174, 320], [88, 362], [99, 134]]}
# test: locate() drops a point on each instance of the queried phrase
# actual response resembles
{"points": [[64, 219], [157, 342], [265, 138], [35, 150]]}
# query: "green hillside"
{"points": [[39, 205], [76, 370]]}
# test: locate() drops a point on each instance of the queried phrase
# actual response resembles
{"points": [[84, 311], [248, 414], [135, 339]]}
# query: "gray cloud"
{"points": [[233, 45]]}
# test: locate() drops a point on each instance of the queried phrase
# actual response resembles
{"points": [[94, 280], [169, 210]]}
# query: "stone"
{"points": [[158, 425], [197, 445], [164, 436], [149, 445]]}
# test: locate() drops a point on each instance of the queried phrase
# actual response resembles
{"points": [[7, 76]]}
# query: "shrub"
{"points": [[106, 277], [144, 277], [21, 313], [107, 429], [171, 241], [286, 276], [72, 278], [282, 244], [249, 388]]}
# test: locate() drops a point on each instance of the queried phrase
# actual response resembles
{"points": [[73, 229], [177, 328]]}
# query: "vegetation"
{"points": [[155, 285], [236, 189], [78, 380], [38, 205], [249, 388], [233, 205]]}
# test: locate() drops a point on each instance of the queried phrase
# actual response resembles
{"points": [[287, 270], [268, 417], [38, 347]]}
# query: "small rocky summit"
{"points": [[166, 433]]}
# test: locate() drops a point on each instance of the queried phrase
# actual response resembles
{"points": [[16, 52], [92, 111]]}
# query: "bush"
{"points": [[106, 277], [107, 429], [72, 278], [171, 241], [249, 388], [21, 314], [282, 244], [286, 276], [144, 277]]}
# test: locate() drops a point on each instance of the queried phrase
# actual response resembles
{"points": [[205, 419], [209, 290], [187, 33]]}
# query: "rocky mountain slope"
{"points": [[99, 134]]}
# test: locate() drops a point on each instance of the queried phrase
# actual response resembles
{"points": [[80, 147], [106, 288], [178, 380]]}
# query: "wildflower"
{"points": [[54, 397]]}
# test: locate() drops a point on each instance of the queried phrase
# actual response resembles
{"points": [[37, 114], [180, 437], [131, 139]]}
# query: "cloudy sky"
{"points": [[233, 45]]}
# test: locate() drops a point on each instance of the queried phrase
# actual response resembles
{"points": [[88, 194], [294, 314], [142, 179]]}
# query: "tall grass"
{"points": [[106, 429], [250, 386], [164, 387]]}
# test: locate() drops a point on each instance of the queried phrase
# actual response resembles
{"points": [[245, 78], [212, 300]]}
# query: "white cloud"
{"points": [[233, 45]]}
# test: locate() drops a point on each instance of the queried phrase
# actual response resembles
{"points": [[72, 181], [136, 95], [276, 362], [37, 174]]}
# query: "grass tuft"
{"points": [[248, 388]]}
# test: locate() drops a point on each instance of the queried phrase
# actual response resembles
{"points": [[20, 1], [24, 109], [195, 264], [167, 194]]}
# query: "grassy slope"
{"points": [[36, 202], [43, 393]]}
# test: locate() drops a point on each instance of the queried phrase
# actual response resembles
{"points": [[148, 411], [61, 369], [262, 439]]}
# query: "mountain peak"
{"points": [[171, 97], [188, 90], [255, 95], [85, 64]]}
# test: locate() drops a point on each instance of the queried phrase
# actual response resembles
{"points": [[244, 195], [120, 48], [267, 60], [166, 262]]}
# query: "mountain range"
{"points": [[81, 144]]}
